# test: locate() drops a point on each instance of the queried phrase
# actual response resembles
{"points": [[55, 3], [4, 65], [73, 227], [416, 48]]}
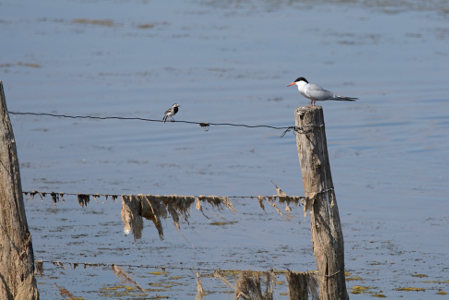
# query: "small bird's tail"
{"points": [[165, 118], [342, 98]]}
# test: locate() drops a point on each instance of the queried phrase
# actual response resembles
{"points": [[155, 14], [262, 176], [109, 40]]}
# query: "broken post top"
{"points": [[309, 117], [308, 107]]}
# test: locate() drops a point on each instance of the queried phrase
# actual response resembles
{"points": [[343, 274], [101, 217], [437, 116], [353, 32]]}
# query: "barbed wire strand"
{"points": [[115, 196], [201, 124], [163, 268], [75, 265]]}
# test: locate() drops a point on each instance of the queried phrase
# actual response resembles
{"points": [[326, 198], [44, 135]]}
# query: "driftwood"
{"points": [[17, 279], [320, 200]]}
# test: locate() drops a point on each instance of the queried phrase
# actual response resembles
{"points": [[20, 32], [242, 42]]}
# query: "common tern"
{"points": [[316, 93], [169, 113]]}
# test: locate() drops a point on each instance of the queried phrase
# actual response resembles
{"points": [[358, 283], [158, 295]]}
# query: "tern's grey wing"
{"points": [[316, 92]]}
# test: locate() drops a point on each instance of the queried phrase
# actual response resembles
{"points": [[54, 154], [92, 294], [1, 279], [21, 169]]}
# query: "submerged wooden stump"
{"points": [[16, 252], [327, 235]]}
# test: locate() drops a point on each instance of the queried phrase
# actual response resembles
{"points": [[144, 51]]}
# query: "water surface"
{"points": [[230, 61]]}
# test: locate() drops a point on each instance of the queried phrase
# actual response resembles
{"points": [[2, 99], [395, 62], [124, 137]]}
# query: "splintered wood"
{"points": [[156, 207], [16, 250]]}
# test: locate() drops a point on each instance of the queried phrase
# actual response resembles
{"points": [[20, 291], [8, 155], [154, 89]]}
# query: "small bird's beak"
{"points": [[291, 84]]}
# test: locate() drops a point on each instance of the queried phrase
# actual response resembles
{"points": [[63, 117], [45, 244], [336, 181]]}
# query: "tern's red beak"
{"points": [[293, 83]]}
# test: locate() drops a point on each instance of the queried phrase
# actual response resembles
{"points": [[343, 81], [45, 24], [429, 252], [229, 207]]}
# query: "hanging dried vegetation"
{"points": [[248, 286], [155, 207], [300, 284], [125, 278]]}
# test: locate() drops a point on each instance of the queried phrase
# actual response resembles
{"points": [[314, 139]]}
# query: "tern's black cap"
{"points": [[301, 79]]}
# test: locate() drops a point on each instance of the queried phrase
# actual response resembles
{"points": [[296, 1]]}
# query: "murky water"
{"points": [[229, 61]]}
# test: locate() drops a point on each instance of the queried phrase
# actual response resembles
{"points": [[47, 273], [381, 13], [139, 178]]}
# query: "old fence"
{"points": [[17, 265]]}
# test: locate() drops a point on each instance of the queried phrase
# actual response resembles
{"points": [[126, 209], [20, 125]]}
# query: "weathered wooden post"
{"points": [[325, 224], [16, 252]]}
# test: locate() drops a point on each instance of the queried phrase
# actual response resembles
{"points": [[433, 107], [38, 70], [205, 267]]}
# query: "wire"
{"points": [[115, 196], [75, 265], [201, 124]]}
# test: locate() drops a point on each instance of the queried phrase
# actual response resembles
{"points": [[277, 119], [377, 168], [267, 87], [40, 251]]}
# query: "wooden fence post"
{"points": [[17, 279], [327, 235]]}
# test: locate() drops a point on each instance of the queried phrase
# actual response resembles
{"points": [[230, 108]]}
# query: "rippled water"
{"points": [[229, 61]]}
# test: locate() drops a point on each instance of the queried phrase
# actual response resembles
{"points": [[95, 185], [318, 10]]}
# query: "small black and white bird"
{"points": [[169, 113], [316, 93]]}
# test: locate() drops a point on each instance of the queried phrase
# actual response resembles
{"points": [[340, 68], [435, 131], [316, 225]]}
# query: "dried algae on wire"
{"points": [[300, 284], [132, 216], [249, 286], [218, 274], [125, 278], [39, 267], [199, 288], [156, 207], [65, 293], [152, 209], [83, 199]]}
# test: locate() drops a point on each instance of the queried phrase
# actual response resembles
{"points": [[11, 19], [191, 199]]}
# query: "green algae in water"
{"points": [[217, 223], [158, 273], [419, 275], [353, 278], [358, 289], [119, 291], [441, 292], [410, 289]]}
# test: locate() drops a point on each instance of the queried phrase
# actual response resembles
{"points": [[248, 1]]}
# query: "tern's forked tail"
{"points": [[342, 98]]}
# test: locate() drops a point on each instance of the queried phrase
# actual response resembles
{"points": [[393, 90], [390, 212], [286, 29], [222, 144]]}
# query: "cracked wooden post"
{"points": [[17, 279], [325, 224]]}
